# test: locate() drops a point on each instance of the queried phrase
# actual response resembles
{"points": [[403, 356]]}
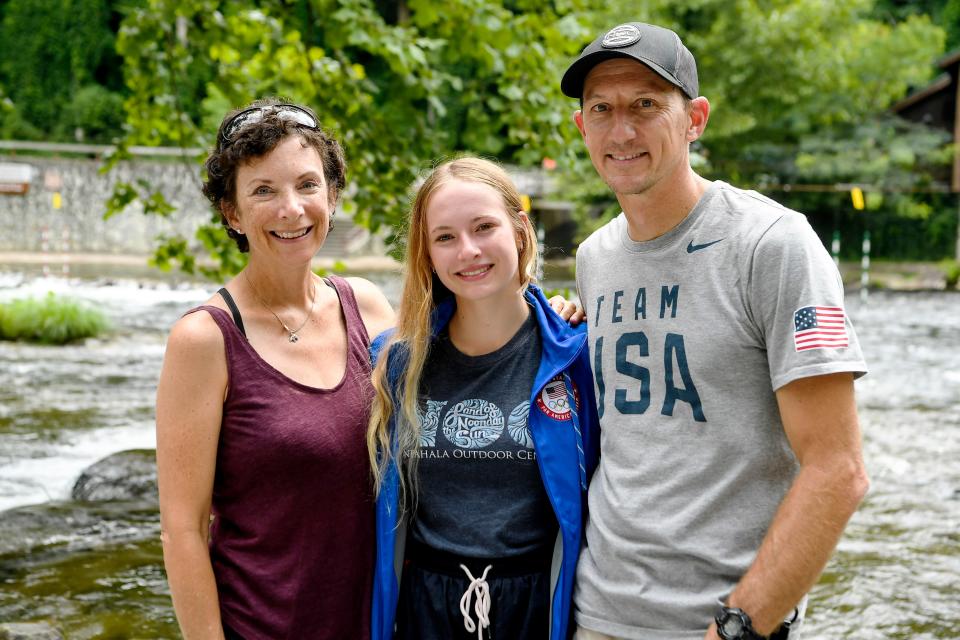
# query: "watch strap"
{"points": [[747, 632]]}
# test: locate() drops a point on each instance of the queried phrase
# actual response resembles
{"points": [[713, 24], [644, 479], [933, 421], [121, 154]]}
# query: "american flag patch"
{"points": [[554, 401], [819, 328], [556, 392]]}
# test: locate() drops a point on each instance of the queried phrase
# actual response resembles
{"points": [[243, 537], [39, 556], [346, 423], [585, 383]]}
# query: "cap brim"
{"points": [[572, 82]]}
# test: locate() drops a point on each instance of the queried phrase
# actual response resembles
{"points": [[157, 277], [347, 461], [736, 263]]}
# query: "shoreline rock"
{"points": [[127, 475], [114, 499]]}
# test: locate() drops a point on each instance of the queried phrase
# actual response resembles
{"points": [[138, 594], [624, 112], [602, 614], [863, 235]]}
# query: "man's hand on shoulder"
{"points": [[569, 311]]}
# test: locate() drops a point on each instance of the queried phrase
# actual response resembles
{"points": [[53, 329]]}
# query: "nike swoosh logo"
{"points": [[696, 247]]}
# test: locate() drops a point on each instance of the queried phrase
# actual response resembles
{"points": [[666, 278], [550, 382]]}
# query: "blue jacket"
{"points": [[567, 447]]}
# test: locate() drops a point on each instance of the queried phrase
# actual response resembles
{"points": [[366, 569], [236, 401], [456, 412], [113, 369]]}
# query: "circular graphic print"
{"points": [[473, 424]]}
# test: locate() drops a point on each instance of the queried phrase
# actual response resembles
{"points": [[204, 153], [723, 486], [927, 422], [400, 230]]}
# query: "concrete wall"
{"points": [[27, 221], [30, 222]]}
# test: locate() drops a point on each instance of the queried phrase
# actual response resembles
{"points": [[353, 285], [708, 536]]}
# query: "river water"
{"points": [[896, 573]]}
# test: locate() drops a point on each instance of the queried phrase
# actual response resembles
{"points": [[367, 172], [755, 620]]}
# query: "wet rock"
{"points": [[28, 631], [127, 475], [31, 533]]}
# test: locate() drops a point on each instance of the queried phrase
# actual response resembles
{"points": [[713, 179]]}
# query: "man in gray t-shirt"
{"points": [[723, 362]]}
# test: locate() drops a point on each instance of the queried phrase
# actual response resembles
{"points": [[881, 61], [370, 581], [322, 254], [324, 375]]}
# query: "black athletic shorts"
{"points": [[433, 584]]}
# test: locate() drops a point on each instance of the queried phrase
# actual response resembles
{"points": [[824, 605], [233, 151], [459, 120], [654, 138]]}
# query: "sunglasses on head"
{"points": [[292, 112]]}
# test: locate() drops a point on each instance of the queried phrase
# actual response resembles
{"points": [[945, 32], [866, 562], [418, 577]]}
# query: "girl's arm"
{"points": [[190, 397]]}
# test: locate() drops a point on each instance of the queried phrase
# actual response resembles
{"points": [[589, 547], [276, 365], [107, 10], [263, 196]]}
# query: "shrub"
{"points": [[951, 272], [13, 126], [50, 320], [96, 112]]}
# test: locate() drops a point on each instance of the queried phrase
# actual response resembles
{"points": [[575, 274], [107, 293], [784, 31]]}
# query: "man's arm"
{"points": [[820, 419]]}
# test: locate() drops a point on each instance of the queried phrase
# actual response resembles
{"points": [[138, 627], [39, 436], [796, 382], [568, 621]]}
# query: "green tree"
{"points": [[404, 82], [400, 83], [798, 89], [51, 50], [95, 114], [945, 13]]}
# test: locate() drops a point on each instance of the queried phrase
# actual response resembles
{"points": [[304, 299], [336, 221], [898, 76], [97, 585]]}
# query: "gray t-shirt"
{"points": [[691, 334], [480, 492]]}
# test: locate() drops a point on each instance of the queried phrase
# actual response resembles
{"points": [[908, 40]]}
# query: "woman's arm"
{"points": [[190, 397]]}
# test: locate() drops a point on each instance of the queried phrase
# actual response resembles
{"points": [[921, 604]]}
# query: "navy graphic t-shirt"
{"points": [[480, 494]]}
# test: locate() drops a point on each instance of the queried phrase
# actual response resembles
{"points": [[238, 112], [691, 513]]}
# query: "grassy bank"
{"points": [[50, 320]]}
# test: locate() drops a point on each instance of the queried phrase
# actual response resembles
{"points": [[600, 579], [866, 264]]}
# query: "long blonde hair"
{"points": [[422, 290]]}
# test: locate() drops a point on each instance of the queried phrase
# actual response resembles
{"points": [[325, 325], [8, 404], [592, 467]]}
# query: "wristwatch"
{"points": [[735, 624]]}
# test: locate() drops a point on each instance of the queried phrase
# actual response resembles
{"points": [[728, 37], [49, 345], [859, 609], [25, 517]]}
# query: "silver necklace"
{"points": [[293, 337]]}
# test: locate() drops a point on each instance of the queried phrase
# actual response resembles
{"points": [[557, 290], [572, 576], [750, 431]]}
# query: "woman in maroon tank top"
{"points": [[263, 403]]}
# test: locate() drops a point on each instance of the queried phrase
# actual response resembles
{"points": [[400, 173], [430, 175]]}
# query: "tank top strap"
{"points": [[234, 309], [234, 341], [356, 330]]}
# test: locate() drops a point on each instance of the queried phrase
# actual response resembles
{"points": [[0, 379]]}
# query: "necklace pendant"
{"points": [[293, 337]]}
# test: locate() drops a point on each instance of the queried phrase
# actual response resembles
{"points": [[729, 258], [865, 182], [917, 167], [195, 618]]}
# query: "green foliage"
{"points": [[399, 83], [951, 272], [172, 252], [51, 50], [776, 70], [50, 320], [95, 115], [898, 158], [140, 190], [945, 13], [14, 126], [551, 292], [892, 235], [227, 259], [795, 86], [798, 89], [950, 20], [883, 150]]}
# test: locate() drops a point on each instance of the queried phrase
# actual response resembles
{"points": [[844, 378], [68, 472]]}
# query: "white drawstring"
{"points": [[481, 607]]}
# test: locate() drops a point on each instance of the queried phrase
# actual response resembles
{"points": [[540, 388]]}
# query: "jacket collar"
{"points": [[561, 342]]}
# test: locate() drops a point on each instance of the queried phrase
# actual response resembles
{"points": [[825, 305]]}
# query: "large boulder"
{"points": [[127, 475], [29, 631]]}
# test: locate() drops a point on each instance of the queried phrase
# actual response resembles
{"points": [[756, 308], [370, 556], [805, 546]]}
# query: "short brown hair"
{"points": [[256, 140]]}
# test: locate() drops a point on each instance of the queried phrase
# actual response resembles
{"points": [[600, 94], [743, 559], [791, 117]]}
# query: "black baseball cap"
{"points": [[659, 48]]}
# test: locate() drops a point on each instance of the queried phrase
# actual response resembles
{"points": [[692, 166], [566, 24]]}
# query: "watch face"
{"points": [[731, 627]]}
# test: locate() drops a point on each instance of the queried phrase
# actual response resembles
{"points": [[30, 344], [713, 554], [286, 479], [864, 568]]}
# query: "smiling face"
{"points": [[636, 126], [472, 243], [282, 204]]}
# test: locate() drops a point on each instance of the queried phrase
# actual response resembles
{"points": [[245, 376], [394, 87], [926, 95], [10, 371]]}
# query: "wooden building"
{"points": [[936, 105]]}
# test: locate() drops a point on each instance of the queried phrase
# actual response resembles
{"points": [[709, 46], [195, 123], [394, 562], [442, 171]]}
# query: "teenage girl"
{"points": [[483, 433]]}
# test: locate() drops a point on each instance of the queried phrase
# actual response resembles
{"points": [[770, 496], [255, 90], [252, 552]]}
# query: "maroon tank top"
{"points": [[292, 542]]}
